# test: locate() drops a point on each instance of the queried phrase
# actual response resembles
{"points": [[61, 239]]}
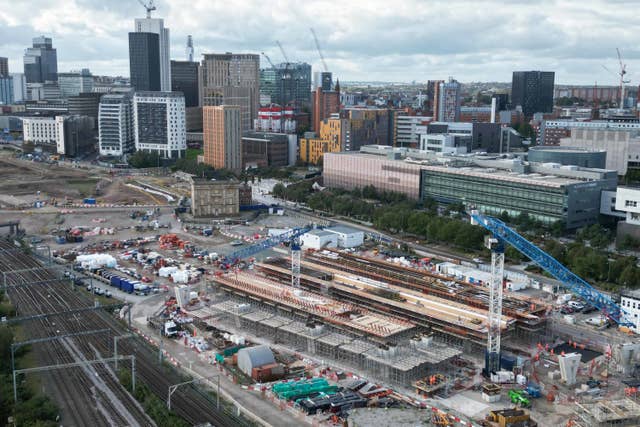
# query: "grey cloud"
{"points": [[373, 39]]}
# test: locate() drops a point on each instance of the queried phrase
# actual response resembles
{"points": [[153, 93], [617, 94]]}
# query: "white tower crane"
{"points": [[149, 6], [496, 246], [315, 39], [622, 72]]}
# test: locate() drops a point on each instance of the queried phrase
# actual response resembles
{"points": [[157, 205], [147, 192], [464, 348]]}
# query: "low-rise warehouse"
{"points": [[318, 239], [251, 358], [347, 237]]}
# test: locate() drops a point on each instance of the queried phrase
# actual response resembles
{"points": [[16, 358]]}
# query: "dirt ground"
{"points": [[23, 182]]}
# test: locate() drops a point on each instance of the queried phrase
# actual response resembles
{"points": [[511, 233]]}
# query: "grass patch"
{"points": [[86, 187], [193, 153]]}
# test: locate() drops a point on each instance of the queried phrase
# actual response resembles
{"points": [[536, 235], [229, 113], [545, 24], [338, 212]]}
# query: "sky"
{"points": [[372, 40]]}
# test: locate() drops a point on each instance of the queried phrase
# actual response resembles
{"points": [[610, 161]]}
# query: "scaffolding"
{"points": [[606, 413], [396, 363]]}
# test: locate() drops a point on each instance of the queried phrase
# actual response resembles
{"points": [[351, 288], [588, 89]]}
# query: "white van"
{"points": [[575, 305]]}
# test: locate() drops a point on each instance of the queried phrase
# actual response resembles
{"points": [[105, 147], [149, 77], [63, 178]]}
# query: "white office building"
{"points": [[408, 130], [159, 123], [115, 125], [156, 26], [40, 130], [628, 201], [74, 83], [630, 304], [446, 143]]}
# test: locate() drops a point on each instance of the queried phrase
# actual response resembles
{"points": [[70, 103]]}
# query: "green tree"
{"points": [[430, 204], [279, 190], [145, 159]]}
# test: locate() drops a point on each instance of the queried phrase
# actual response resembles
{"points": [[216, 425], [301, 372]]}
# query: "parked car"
{"points": [[576, 305], [589, 309], [566, 310], [108, 293]]}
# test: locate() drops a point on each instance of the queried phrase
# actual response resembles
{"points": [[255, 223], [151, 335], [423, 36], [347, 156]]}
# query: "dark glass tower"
{"points": [[41, 61], [184, 78], [144, 61], [533, 90]]}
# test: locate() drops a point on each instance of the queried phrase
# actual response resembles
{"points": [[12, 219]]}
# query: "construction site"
{"points": [[312, 322]]}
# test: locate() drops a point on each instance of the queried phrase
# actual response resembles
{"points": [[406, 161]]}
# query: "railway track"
{"points": [[93, 395]]}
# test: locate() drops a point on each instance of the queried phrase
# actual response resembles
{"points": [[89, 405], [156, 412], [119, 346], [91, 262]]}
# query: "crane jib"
{"points": [[569, 280]]}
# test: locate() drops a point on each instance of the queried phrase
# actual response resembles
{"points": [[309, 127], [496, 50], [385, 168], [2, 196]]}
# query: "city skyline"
{"points": [[413, 41]]}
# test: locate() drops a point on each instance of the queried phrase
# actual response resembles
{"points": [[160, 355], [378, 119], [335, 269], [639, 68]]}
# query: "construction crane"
{"points": [[284, 55], [622, 72], [149, 6], [501, 234], [248, 251], [296, 254], [268, 60], [315, 39]]}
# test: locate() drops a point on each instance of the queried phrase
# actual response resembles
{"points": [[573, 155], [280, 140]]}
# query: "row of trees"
{"points": [[596, 265]]}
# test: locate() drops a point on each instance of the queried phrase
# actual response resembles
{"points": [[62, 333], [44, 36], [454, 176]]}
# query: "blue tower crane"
{"points": [[569, 280], [289, 236], [502, 234]]}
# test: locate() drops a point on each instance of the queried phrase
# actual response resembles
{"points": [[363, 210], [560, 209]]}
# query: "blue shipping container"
{"points": [[126, 286], [115, 281], [89, 201]]}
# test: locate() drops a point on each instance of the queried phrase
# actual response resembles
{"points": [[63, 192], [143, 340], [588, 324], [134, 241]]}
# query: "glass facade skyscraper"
{"points": [[184, 78], [287, 84], [533, 91], [144, 61], [41, 61]]}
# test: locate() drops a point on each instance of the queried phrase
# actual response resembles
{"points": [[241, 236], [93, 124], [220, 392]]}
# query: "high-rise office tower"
{"points": [[287, 83], [184, 78], [159, 123], [19, 87], [533, 91], [156, 26], [75, 82], [222, 136], [144, 62], [115, 125], [189, 50], [232, 79], [323, 79], [448, 108], [4, 66], [41, 61]]}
